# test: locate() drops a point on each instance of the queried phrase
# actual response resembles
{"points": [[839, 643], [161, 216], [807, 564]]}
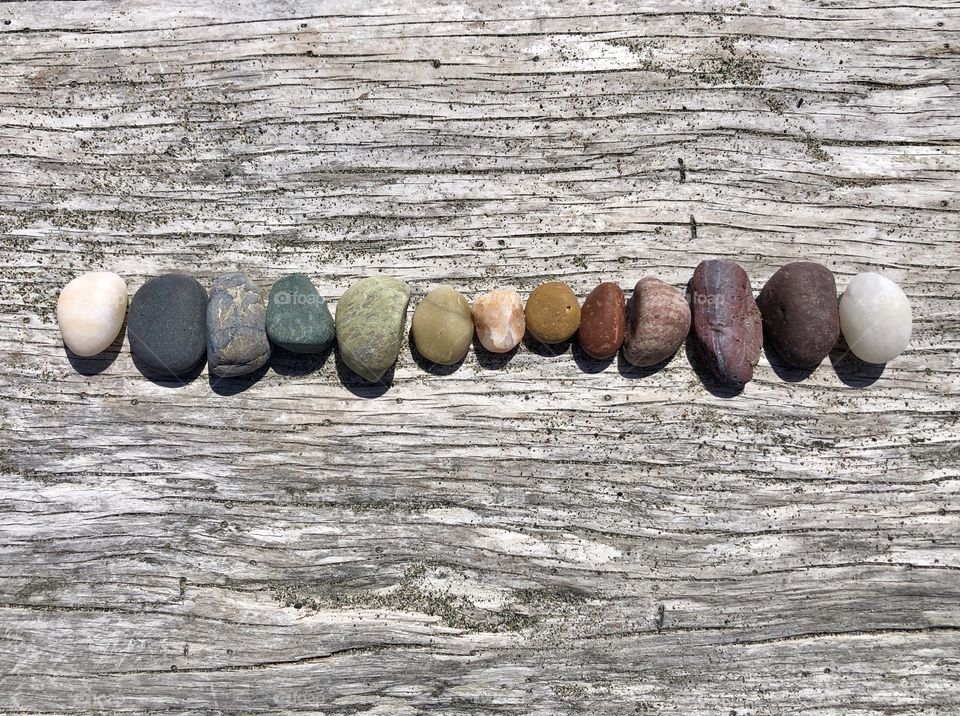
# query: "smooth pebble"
{"points": [[875, 318], [800, 313], [727, 328], [298, 319], [658, 322], [371, 316], [167, 324], [90, 312], [552, 312], [602, 321], [443, 326]]}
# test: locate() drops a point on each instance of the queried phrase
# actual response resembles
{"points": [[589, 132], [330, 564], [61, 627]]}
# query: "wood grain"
{"points": [[541, 535]]}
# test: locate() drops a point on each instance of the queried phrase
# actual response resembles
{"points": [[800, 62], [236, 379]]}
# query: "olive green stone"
{"points": [[297, 316], [371, 316], [443, 326]]}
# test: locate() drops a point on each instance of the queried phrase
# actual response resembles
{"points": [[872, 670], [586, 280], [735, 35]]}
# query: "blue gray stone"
{"points": [[236, 327]]}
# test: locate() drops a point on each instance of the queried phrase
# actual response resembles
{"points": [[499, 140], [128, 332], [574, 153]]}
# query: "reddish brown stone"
{"points": [[602, 321], [659, 321], [727, 328]]}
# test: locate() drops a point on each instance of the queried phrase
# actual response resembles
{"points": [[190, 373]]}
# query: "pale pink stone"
{"points": [[498, 316]]}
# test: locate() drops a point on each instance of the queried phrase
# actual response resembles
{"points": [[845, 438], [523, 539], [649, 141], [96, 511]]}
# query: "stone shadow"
{"points": [[784, 371], [629, 370], [713, 385], [851, 370], [587, 363], [546, 350], [94, 365], [427, 365], [238, 384], [292, 364], [166, 379], [357, 384], [489, 359]]}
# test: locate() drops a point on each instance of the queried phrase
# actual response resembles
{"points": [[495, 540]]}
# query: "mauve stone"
{"points": [[236, 327], [801, 315], [602, 321], [659, 320], [727, 328]]}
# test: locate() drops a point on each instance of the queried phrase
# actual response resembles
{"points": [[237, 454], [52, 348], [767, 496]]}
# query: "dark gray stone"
{"points": [[167, 324]]}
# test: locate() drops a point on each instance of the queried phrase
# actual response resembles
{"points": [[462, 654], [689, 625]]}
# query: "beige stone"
{"points": [[443, 326]]}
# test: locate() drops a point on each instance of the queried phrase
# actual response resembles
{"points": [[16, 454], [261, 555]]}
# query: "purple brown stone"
{"points": [[659, 321], [727, 328], [801, 313], [602, 321]]}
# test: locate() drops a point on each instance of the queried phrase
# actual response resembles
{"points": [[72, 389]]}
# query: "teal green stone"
{"points": [[371, 316], [297, 316]]}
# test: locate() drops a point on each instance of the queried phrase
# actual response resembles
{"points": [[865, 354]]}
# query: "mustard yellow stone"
{"points": [[552, 313], [443, 326]]}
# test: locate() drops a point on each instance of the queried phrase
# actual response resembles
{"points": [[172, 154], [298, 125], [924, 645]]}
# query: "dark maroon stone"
{"points": [[801, 313], [727, 328]]}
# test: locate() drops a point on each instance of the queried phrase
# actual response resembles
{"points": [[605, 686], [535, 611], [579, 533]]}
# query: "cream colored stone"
{"points": [[498, 317], [90, 312]]}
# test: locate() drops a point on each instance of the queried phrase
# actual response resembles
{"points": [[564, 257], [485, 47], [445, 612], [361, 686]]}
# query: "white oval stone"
{"points": [[90, 311], [875, 318]]}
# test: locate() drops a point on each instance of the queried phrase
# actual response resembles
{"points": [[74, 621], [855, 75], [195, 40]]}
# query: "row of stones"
{"points": [[173, 324]]}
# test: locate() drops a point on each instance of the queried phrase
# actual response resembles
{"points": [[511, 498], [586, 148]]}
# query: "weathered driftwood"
{"points": [[542, 535]]}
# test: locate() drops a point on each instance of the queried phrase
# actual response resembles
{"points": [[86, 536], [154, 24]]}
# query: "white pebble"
{"points": [[90, 311], [875, 318]]}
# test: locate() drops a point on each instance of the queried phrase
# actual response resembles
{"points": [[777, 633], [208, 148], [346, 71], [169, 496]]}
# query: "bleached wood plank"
{"points": [[552, 535]]}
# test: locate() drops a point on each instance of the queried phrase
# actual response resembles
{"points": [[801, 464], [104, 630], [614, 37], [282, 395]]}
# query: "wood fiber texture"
{"points": [[531, 534]]}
